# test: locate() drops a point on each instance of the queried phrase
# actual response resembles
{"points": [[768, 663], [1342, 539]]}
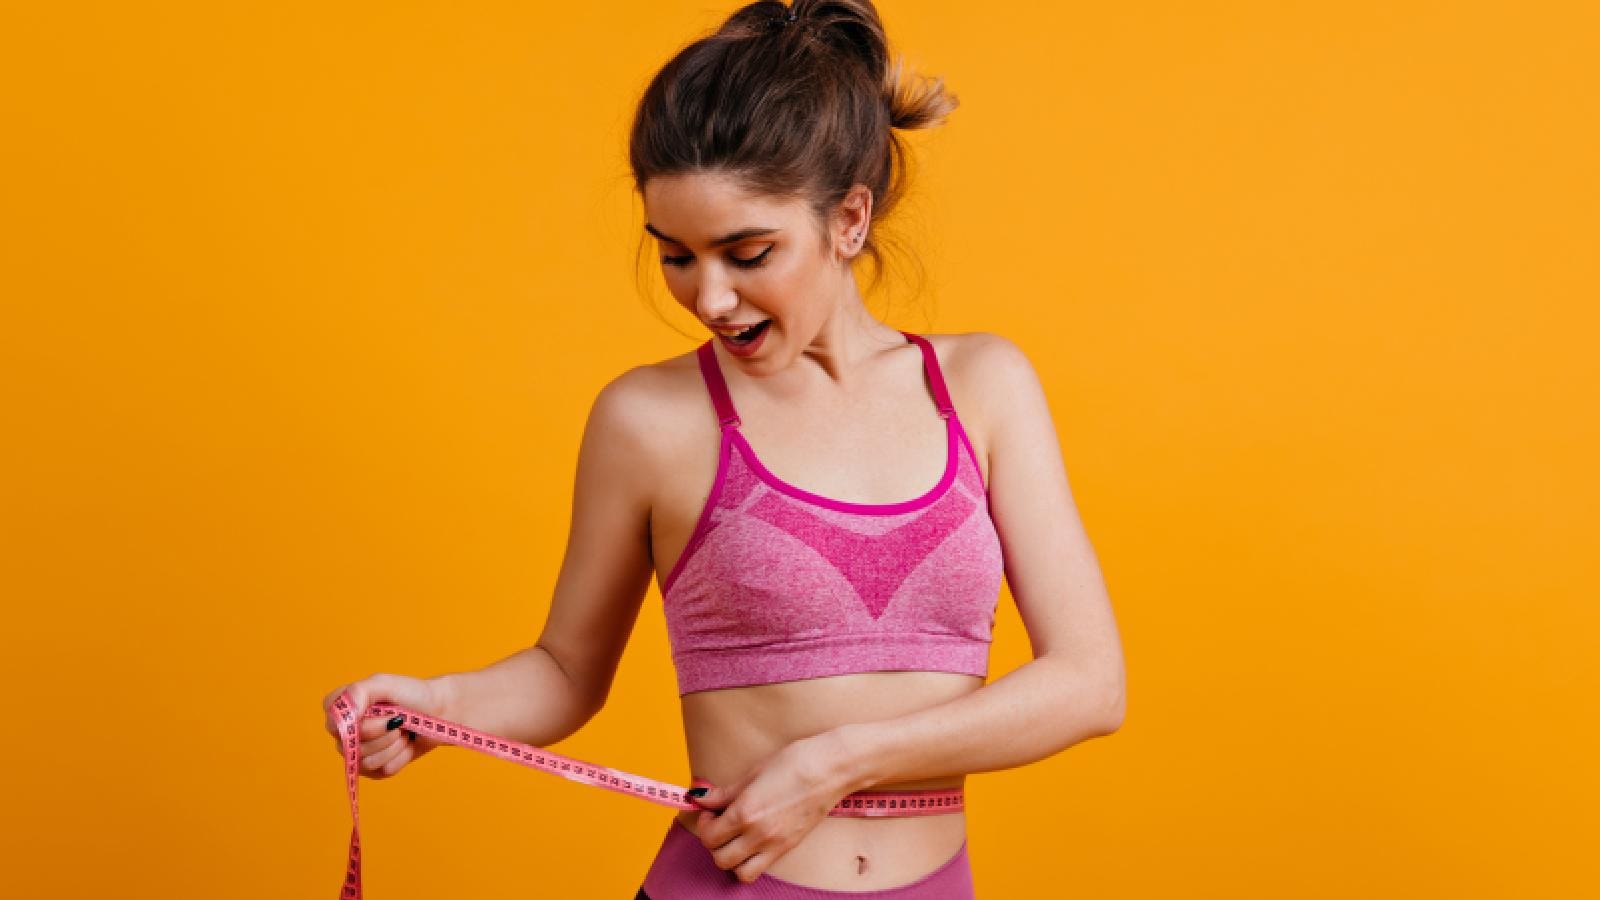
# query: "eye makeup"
{"points": [[750, 263]]}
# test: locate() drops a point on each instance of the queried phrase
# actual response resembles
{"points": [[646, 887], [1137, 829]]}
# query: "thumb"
{"points": [[719, 797], [707, 795], [399, 689]]}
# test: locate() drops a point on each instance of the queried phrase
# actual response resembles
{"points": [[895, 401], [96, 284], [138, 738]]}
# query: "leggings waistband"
{"points": [[683, 869]]}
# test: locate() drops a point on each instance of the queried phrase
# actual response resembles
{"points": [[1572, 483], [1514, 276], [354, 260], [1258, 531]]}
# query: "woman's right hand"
{"points": [[383, 752]]}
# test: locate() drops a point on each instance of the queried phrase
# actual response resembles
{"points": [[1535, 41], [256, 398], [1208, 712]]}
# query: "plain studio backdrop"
{"points": [[304, 306]]}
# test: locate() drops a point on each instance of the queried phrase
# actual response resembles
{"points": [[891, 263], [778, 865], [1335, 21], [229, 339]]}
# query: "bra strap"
{"points": [[941, 395], [716, 386]]}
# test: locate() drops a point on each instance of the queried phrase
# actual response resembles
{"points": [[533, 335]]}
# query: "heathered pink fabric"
{"points": [[778, 583], [683, 869]]}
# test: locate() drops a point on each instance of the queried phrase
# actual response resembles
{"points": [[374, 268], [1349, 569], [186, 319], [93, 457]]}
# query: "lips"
{"points": [[747, 341], [743, 333], [750, 333]]}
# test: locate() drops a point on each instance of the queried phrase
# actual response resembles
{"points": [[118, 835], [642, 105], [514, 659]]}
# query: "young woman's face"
{"points": [[733, 261]]}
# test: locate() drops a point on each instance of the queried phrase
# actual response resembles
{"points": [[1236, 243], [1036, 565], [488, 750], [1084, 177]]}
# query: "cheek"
{"points": [[680, 287]]}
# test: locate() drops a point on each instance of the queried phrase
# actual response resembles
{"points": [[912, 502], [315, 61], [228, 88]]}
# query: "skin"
{"points": [[812, 395], [836, 402]]}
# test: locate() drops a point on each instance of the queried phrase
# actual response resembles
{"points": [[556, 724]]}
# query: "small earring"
{"points": [[855, 240]]}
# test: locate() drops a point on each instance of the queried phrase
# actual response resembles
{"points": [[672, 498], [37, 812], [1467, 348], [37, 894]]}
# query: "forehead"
{"points": [[700, 205]]}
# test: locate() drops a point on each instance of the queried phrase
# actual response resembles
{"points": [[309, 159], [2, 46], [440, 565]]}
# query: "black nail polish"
{"points": [[695, 792], [395, 722]]}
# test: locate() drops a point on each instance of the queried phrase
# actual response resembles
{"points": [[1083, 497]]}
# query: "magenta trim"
{"points": [[972, 455], [952, 461], [703, 522], [941, 393], [716, 385]]}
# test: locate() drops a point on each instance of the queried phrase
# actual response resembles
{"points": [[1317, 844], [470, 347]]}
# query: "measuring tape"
{"points": [[936, 801]]}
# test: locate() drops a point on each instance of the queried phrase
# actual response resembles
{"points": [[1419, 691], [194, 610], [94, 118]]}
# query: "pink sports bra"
{"points": [[777, 583]]}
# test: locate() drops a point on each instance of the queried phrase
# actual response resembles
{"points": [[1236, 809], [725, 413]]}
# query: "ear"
{"points": [[851, 221]]}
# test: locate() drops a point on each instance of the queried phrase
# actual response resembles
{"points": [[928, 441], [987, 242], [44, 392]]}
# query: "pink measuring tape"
{"points": [[861, 803]]}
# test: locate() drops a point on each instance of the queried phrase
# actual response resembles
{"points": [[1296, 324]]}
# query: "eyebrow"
{"points": [[729, 238]]}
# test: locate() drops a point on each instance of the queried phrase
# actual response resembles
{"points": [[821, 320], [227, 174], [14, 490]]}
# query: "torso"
{"points": [[729, 731]]}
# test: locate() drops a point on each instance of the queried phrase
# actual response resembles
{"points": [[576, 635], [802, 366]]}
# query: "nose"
{"points": [[714, 295]]}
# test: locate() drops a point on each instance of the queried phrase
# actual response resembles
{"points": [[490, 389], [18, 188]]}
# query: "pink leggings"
{"points": [[684, 870]]}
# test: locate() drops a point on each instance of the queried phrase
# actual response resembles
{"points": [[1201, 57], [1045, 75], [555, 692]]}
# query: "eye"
{"points": [[753, 262]]}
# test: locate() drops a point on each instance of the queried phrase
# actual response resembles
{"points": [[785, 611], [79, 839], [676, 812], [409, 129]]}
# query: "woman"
{"points": [[831, 638]]}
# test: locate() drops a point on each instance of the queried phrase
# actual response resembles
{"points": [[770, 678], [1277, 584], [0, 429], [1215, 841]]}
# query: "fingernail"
{"points": [[696, 792], [395, 722]]}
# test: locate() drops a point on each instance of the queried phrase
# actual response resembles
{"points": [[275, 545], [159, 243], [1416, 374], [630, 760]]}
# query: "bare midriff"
{"points": [[732, 730]]}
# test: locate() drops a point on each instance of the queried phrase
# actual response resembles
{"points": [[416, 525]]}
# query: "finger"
{"points": [[751, 869], [385, 741], [705, 829], [404, 754], [718, 826], [710, 796], [375, 761], [402, 758], [734, 852], [377, 726]]}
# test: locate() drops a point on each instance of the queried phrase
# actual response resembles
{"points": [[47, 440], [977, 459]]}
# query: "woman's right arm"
{"points": [[546, 692]]}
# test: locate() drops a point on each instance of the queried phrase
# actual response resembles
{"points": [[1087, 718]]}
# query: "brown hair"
{"points": [[790, 107]]}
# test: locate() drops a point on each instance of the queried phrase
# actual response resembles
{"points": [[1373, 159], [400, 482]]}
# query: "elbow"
{"points": [[1114, 705], [1097, 699]]}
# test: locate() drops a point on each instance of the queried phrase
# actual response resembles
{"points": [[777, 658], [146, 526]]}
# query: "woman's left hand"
{"points": [[771, 809]]}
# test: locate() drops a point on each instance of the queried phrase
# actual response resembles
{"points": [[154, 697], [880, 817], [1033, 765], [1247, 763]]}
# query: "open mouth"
{"points": [[751, 333]]}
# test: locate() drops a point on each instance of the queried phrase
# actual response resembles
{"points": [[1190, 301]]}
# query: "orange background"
{"points": [[305, 305]]}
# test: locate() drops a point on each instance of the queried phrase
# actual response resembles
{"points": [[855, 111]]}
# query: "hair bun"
{"points": [[795, 101], [915, 100]]}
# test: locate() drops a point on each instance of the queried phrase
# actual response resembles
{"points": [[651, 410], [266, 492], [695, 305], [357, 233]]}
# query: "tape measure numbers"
{"points": [[937, 801]]}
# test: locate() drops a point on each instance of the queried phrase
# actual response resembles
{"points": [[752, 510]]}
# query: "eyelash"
{"points": [[752, 263]]}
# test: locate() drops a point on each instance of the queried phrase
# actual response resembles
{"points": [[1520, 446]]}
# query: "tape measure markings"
{"points": [[935, 801]]}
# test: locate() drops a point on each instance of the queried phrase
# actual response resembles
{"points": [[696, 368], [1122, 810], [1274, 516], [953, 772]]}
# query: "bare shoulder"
{"points": [[991, 380], [1050, 563], [981, 354], [646, 386], [639, 415], [637, 401], [627, 443]]}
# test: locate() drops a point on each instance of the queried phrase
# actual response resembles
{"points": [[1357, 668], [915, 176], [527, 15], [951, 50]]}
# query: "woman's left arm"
{"points": [[1074, 688]]}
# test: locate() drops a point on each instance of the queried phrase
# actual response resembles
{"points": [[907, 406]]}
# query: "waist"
{"points": [[863, 854], [730, 731]]}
